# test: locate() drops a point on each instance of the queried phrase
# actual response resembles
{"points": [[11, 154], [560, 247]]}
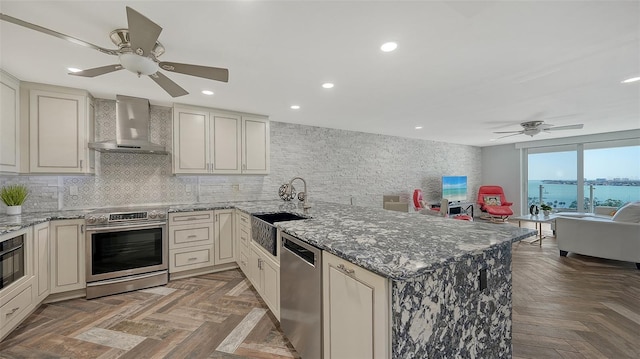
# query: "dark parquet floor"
{"points": [[573, 307]]}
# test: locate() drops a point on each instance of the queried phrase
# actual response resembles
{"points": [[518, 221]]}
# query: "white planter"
{"points": [[14, 210], [546, 213]]}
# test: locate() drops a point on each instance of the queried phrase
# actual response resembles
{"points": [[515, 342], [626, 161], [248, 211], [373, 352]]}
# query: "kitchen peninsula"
{"points": [[449, 281]]}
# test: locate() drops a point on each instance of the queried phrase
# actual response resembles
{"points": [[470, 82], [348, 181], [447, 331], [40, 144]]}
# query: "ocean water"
{"points": [[568, 193]]}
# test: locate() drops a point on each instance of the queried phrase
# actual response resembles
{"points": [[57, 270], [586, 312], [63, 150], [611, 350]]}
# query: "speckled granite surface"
{"points": [[393, 244]]}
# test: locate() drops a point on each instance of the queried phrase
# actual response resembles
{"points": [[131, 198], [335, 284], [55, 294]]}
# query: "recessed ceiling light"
{"points": [[73, 69], [327, 85], [418, 127], [633, 79], [388, 46], [295, 107], [207, 92]]}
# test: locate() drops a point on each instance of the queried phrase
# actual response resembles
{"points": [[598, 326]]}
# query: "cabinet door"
{"points": [[224, 134], [57, 132], [223, 241], [254, 268], [190, 144], [9, 123], [42, 267], [255, 141], [271, 285], [356, 307], [67, 256]]}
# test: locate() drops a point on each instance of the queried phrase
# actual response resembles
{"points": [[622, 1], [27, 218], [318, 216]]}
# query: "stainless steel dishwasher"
{"points": [[301, 296]]}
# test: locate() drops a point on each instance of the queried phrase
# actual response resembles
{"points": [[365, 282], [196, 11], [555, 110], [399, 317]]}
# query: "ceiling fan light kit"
{"points": [[532, 128], [138, 51]]}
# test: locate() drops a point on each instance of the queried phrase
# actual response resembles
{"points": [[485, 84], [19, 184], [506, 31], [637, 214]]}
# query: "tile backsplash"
{"points": [[339, 166]]}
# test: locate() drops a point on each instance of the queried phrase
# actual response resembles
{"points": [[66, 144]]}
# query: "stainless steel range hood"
{"points": [[132, 129]]}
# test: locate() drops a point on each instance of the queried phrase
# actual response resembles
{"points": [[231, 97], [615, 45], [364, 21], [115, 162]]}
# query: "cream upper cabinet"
{"points": [[9, 123], [67, 247], [255, 140], [224, 251], [59, 130], [218, 142], [356, 311]]}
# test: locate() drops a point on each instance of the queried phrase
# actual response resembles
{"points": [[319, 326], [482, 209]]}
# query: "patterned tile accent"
{"points": [[339, 166], [111, 338]]}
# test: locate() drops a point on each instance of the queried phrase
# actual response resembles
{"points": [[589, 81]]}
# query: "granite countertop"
{"points": [[393, 244]]}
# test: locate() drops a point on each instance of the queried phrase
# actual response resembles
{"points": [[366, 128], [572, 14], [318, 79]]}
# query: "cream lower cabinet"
{"points": [[243, 240], [67, 250], [59, 129], [41, 261], [356, 308], [224, 248], [191, 238], [9, 123], [264, 274]]}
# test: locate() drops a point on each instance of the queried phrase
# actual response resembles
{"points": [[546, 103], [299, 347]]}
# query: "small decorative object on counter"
{"points": [[14, 196], [282, 192], [533, 210], [546, 209]]}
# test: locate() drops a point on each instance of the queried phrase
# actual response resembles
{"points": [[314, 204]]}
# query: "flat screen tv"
{"points": [[454, 188]]}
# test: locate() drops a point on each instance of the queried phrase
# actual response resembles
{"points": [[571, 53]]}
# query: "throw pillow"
{"points": [[492, 200], [628, 213]]}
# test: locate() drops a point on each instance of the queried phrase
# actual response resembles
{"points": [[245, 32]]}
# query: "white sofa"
{"points": [[599, 236]]}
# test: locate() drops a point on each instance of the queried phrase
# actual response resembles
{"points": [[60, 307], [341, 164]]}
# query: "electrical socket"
{"points": [[188, 188], [73, 190], [235, 187]]}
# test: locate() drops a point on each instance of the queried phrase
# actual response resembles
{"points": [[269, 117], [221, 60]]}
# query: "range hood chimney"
{"points": [[132, 129]]}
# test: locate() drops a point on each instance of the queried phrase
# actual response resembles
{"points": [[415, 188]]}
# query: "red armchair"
{"points": [[493, 203]]}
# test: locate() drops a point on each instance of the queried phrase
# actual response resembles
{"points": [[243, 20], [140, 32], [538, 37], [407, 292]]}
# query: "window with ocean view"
{"points": [[556, 172], [610, 175]]}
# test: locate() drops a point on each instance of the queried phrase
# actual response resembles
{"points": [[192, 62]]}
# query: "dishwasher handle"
{"points": [[301, 250]]}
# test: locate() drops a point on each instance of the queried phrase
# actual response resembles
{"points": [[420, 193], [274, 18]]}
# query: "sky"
{"points": [[618, 162]]}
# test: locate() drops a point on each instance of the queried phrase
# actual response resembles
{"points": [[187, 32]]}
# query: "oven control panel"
{"points": [[123, 217]]}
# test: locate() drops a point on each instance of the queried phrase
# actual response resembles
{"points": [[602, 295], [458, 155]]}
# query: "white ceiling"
{"points": [[462, 69]]}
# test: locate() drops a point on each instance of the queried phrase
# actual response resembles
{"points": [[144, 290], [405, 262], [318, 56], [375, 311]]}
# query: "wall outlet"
{"points": [[187, 188], [235, 187], [73, 190]]}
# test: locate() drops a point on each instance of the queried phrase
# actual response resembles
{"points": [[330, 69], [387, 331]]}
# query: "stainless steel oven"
{"points": [[126, 250], [11, 260]]}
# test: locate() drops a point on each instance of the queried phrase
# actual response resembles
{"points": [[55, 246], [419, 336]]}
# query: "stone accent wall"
{"points": [[339, 166]]}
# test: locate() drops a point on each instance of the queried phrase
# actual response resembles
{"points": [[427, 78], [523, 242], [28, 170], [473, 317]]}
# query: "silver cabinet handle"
{"points": [[12, 311], [192, 259], [80, 164], [82, 228], [345, 269], [191, 236]]}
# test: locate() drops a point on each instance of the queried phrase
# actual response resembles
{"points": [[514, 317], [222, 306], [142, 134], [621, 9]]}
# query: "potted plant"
{"points": [[546, 209], [14, 196]]}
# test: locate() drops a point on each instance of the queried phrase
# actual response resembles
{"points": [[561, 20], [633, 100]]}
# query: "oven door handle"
{"points": [[10, 250], [125, 227]]}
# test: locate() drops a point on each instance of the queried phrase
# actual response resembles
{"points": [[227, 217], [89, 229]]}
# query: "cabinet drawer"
{"points": [[243, 261], [244, 220], [190, 258], [191, 217], [16, 308], [187, 236], [244, 237]]}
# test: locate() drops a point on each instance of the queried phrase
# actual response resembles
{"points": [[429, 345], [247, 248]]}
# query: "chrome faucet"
{"points": [[305, 205]]}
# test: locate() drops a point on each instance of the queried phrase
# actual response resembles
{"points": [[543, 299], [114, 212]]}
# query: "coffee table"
{"points": [[538, 220]]}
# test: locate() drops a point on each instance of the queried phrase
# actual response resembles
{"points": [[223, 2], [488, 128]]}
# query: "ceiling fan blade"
{"points": [[568, 127], [516, 132], [513, 134], [143, 33], [44, 30], [212, 73], [171, 87], [97, 71]]}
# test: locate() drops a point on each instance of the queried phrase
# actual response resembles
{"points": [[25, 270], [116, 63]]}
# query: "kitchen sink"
{"points": [[264, 232], [272, 218]]}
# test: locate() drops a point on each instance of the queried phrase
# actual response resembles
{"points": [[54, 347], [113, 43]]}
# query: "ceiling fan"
{"points": [[534, 127], [138, 51]]}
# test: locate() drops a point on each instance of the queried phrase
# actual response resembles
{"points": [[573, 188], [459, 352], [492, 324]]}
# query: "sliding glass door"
{"points": [[552, 177]]}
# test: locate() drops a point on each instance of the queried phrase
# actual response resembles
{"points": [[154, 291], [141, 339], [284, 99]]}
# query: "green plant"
{"points": [[545, 207], [14, 195]]}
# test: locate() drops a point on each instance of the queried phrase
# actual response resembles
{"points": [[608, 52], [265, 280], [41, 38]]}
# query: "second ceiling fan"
{"points": [[138, 51]]}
